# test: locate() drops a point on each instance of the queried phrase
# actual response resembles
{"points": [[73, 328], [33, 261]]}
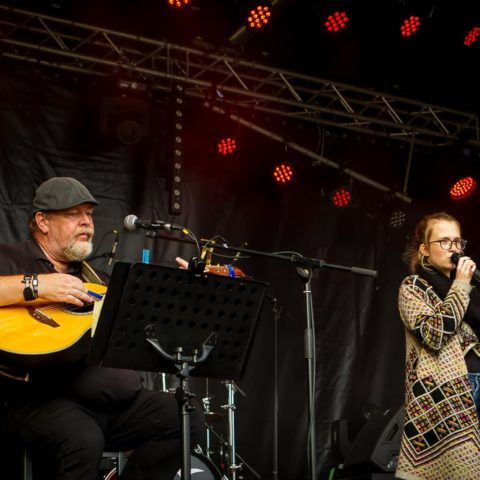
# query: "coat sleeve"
{"points": [[431, 320]]}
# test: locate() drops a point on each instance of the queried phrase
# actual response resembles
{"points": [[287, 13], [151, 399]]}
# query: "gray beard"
{"points": [[78, 251]]}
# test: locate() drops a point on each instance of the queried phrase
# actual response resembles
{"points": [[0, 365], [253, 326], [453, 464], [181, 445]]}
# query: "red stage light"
{"points": [[472, 36], [178, 3], [341, 197], [283, 172], [336, 21], [463, 188], [259, 16], [226, 146], [410, 26]]}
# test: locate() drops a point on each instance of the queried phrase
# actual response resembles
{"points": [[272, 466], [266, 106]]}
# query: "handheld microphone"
{"points": [[132, 223], [114, 248], [456, 257]]}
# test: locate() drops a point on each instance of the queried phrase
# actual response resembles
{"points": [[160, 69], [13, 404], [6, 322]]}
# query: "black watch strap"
{"points": [[30, 291]]}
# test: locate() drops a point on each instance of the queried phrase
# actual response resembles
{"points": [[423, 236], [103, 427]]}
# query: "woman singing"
{"points": [[441, 313]]}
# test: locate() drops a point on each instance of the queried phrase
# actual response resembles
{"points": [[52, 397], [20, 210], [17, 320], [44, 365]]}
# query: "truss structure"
{"points": [[244, 86], [77, 47]]}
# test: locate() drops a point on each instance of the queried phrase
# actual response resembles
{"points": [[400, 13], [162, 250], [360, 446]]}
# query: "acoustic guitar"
{"points": [[38, 333]]}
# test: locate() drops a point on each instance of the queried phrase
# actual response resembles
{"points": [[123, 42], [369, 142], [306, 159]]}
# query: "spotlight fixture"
{"points": [[397, 219], [410, 26], [472, 36], [341, 197], [176, 184], [258, 16], [178, 3], [283, 172], [463, 188], [336, 21], [226, 146]]}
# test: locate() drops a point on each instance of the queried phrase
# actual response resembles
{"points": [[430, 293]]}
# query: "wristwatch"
{"points": [[30, 292]]}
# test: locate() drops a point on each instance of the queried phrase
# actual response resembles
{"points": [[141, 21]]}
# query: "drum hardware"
{"points": [[224, 453], [111, 475], [201, 469], [220, 451], [220, 435], [206, 408], [232, 388]]}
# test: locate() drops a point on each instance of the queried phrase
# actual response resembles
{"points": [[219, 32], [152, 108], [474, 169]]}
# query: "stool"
{"points": [[119, 458], [27, 463]]}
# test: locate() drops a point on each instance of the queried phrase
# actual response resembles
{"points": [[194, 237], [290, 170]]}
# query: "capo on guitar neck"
{"points": [[94, 295]]}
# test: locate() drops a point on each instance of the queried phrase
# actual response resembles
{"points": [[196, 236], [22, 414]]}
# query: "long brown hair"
{"points": [[423, 230]]}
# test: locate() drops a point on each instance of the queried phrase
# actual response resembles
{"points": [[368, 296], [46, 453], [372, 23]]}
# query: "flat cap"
{"points": [[60, 193]]}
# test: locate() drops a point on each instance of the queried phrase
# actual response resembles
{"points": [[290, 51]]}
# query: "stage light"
{"points": [[410, 26], [283, 172], [463, 188], [226, 146], [341, 197], [336, 21], [259, 16], [178, 3], [176, 148], [397, 218], [472, 36]]}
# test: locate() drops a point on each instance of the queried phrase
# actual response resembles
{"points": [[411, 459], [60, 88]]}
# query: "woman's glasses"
{"points": [[446, 243]]}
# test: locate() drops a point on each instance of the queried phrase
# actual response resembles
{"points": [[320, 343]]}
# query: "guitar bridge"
{"points": [[42, 317]]}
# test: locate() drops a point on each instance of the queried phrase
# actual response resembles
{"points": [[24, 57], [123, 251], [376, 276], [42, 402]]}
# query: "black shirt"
{"points": [[90, 385]]}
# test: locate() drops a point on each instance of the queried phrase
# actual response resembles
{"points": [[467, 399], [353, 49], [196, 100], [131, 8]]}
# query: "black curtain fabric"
{"points": [[49, 126]]}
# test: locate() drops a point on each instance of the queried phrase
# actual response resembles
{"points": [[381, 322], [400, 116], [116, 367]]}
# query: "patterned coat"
{"points": [[441, 437]]}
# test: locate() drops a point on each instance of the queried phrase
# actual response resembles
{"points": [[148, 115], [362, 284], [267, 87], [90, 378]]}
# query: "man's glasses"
{"points": [[446, 243]]}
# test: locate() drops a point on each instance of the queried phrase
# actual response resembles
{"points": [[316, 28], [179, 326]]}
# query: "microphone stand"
{"points": [[301, 261], [309, 349], [277, 312], [305, 266]]}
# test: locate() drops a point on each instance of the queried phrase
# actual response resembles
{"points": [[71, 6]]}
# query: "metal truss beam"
{"points": [[245, 86]]}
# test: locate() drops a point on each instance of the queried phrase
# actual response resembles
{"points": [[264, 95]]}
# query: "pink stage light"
{"points": [[178, 3], [472, 36], [463, 188], [259, 17], [283, 173], [336, 21], [226, 146], [341, 197], [410, 26]]}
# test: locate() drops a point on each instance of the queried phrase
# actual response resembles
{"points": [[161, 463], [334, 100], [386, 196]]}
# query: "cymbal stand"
{"points": [[225, 445], [232, 387], [207, 411]]}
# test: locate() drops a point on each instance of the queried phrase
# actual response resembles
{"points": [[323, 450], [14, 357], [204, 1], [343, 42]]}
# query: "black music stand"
{"points": [[164, 319]]}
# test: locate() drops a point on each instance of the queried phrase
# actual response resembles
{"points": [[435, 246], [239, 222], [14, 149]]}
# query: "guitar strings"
{"points": [[59, 307]]}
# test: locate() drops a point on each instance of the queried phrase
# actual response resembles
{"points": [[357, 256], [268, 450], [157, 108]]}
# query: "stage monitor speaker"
{"points": [[377, 446]]}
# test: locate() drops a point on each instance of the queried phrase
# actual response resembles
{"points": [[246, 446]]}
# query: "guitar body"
{"points": [[39, 333]]}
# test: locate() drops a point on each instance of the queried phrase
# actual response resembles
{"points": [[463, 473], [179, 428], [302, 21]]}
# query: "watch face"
{"points": [[28, 294]]}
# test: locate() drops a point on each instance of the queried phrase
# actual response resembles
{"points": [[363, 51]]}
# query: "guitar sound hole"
{"points": [[75, 310]]}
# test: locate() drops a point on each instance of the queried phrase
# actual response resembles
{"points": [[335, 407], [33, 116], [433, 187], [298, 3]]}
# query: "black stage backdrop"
{"points": [[49, 127]]}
